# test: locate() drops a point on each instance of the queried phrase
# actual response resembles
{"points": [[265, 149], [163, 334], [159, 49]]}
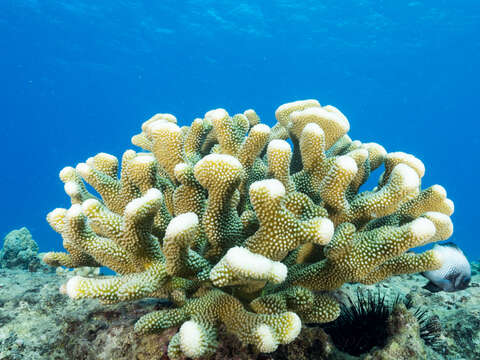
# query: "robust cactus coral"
{"points": [[236, 225]]}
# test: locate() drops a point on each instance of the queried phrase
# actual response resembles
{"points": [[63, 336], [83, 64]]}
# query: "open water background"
{"points": [[79, 77]]}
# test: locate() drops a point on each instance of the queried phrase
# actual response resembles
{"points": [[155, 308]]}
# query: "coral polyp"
{"points": [[234, 225]]}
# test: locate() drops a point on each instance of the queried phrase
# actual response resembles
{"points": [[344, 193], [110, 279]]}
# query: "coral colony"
{"points": [[223, 218]]}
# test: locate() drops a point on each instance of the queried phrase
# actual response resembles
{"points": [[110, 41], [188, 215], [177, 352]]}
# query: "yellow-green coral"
{"points": [[234, 225], [196, 337]]}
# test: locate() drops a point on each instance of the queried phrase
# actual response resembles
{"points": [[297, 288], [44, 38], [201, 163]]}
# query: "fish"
{"points": [[455, 273]]}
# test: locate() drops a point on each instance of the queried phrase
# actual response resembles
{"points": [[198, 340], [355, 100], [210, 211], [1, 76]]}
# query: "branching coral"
{"points": [[234, 225]]}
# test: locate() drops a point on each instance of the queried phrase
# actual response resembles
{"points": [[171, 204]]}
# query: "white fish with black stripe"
{"points": [[455, 273]]}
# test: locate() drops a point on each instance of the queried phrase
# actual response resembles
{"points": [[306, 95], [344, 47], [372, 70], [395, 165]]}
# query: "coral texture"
{"points": [[234, 226]]}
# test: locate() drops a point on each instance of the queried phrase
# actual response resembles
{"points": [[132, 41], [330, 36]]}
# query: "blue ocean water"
{"points": [[79, 77]]}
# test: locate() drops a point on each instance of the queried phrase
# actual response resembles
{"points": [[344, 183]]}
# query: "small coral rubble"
{"points": [[234, 226]]}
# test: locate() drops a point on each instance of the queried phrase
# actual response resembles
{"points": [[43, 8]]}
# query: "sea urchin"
{"points": [[362, 324]]}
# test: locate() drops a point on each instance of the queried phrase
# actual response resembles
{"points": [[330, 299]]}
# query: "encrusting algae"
{"points": [[234, 226]]}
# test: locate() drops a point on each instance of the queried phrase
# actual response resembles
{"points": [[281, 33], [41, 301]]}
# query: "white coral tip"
{"points": [[278, 272], [218, 158], [197, 122], [191, 339], [255, 266], [266, 341], [360, 155], [409, 159], [347, 164], [90, 204], [181, 223], [90, 162], [422, 228], [72, 287], [133, 206], [274, 187], [312, 128], [374, 147], [440, 190], [71, 188], [106, 157], [83, 169], [158, 128], [144, 159], [74, 211], [216, 115], [152, 195], [409, 176], [180, 168], [324, 231], [55, 215], [279, 145], [442, 222], [66, 173], [451, 206], [261, 128]]}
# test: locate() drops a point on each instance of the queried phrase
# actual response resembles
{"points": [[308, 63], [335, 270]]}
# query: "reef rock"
{"points": [[37, 322], [20, 251]]}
